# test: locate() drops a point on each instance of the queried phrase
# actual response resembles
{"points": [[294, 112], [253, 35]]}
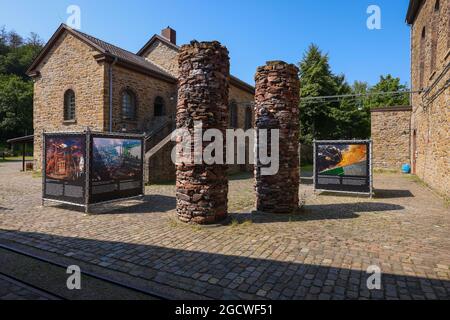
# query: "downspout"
{"points": [[111, 93]]}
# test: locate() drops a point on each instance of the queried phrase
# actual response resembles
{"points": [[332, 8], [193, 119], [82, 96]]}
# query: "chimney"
{"points": [[170, 35]]}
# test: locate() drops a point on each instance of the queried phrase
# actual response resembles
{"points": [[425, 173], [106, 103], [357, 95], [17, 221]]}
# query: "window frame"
{"points": [[125, 115], [248, 122], [69, 111], [160, 102], [233, 114]]}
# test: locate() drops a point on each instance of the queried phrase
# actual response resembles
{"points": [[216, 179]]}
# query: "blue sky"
{"points": [[253, 30]]}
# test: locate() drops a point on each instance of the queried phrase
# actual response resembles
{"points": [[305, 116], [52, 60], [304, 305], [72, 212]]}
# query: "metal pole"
{"points": [[23, 156], [43, 165], [87, 169], [314, 167], [371, 168], [143, 164]]}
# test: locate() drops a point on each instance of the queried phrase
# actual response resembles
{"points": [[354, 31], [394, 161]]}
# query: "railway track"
{"points": [[48, 279]]}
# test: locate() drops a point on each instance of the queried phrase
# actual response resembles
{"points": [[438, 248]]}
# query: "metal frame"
{"points": [[88, 136], [369, 141], [87, 171], [44, 165]]}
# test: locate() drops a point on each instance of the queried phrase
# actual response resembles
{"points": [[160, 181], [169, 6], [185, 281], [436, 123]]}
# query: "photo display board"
{"points": [[116, 168], [92, 168], [64, 168], [343, 166]]}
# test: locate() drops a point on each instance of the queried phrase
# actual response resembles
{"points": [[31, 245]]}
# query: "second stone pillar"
{"points": [[276, 107]]}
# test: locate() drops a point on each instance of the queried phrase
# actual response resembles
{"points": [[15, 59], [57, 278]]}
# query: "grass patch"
{"points": [[416, 179], [18, 158], [385, 171], [173, 223], [196, 227], [236, 223], [160, 183], [36, 174], [307, 167]]}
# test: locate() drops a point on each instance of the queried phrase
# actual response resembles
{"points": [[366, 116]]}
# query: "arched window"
{"points": [[436, 6], [233, 114], [159, 108], [422, 58], [128, 105], [434, 36], [69, 105], [248, 118]]}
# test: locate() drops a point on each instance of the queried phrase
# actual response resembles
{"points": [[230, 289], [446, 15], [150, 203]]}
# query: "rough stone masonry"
{"points": [[276, 107], [202, 189]]}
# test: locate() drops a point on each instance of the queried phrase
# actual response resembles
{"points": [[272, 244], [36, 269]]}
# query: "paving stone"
{"points": [[265, 255]]}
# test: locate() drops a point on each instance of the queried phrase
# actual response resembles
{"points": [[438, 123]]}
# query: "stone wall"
{"points": [[164, 55], [69, 65], [146, 89], [276, 107], [202, 189], [391, 137], [430, 122]]}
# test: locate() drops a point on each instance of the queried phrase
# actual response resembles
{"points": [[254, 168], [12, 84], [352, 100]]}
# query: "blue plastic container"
{"points": [[406, 168]]}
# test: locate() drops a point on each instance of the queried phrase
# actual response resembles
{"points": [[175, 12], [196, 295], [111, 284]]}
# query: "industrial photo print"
{"points": [[116, 168], [342, 160], [65, 167], [343, 166]]}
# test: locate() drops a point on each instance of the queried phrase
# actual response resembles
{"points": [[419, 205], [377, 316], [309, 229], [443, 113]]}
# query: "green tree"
{"points": [[16, 89], [388, 84], [351, 120], [316, 80], [16, 106], [17, 54]]}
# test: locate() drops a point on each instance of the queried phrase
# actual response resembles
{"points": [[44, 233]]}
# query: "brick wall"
{"points": [[391, 137], [70, 65], [430, 123]]}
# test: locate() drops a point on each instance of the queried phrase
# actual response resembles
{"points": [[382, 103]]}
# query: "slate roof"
{"points": [[124, 54], [128, 58]]}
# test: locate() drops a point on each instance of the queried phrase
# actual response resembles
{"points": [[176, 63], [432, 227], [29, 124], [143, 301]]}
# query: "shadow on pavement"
{"points": [[392, 194], [222, 276], [149, 204], [322, 212]]}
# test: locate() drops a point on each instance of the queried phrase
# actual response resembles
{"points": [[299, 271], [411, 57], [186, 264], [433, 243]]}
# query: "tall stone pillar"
{"points": [[276, 107], [202, 189]]}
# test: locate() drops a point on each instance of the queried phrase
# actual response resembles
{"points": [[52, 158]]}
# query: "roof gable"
{"points": [[413, 9], [106, 51], [233, 80], [153, 40]]}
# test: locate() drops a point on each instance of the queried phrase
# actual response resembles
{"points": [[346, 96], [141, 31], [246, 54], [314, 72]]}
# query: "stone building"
{"points": [[391, 128], [430, 118], [420, 135], [81, 81]]}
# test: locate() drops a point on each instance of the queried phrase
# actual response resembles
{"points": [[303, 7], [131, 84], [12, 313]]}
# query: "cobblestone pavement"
{"points": [[12, 290], [322, 253]]}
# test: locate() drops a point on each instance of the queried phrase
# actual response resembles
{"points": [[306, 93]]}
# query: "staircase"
{"points": [[158, 137]]}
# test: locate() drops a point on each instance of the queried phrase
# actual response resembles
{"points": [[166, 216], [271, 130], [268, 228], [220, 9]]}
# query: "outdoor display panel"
{"points": [[343, 166], [64, 168], [116, 168], [90, 168]]}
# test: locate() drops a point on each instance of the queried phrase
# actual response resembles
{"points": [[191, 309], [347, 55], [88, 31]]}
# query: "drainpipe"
{"points": [[111, 93]]}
